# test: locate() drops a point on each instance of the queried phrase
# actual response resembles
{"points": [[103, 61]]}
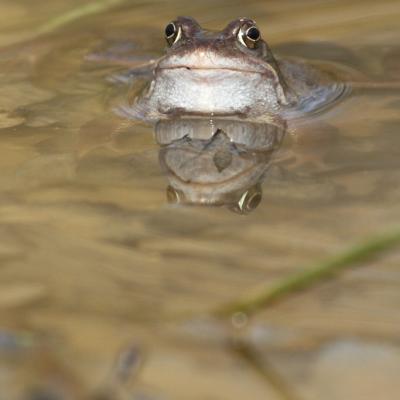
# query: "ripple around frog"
{"points": [[326, 97], [222, 160], [220, 156], [320, 99]]}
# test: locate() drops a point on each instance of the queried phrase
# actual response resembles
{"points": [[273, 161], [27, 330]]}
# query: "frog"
{"points": [[226, 73]]}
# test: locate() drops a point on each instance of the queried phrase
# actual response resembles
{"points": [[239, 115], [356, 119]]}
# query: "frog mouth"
{"points": [[213, 68]]}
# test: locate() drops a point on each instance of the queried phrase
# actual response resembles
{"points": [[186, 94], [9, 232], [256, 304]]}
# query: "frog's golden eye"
{"points": [[172, 33], [249, 36]]}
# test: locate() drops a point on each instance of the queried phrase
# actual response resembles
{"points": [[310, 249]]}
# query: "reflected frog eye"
{"points": [[172, 33], [249, 201], [249, 36], [174, 196]]}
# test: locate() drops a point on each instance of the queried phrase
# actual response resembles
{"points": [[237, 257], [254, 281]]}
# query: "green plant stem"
{"points": [[305, 279], [263, 368], [77, 13]]}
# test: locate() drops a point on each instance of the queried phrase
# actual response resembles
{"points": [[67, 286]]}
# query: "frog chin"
{"points": [[213, 91]]}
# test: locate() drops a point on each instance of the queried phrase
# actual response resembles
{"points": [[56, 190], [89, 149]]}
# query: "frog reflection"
{"points": [[216, 162]]}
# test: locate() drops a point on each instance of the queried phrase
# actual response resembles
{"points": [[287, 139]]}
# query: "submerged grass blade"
{"points": [[78, 13], [265, 370], [303, 280]]}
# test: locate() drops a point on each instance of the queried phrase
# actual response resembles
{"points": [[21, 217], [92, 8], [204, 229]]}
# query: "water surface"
{"points": [[94, 260]]}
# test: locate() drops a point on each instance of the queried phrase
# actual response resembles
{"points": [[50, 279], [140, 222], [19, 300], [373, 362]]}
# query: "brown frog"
{"points": [[231, 72]]}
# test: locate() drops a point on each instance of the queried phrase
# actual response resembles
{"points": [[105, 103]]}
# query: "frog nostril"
{"points": [[188, 68]]}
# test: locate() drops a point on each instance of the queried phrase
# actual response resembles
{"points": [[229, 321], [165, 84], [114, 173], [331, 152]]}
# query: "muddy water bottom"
{"points": [[106, 289]]}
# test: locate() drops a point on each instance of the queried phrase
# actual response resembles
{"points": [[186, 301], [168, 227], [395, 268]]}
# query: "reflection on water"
{"points": [[216, 162], [105, 287]]}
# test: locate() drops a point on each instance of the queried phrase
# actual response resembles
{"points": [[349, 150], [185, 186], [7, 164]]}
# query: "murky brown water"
{"points": [[95, 263]]}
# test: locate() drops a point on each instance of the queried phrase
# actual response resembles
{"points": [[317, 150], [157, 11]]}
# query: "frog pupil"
{"points": [[253, 33], [170, 30]]}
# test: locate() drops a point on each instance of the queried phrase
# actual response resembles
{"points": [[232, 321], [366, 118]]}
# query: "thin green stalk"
{"points": [[264, 369], [78, 13], [303, 280]]}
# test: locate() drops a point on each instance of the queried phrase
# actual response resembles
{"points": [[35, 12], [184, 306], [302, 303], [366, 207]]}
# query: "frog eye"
{"points": [[249, 36], [172, 33]]}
